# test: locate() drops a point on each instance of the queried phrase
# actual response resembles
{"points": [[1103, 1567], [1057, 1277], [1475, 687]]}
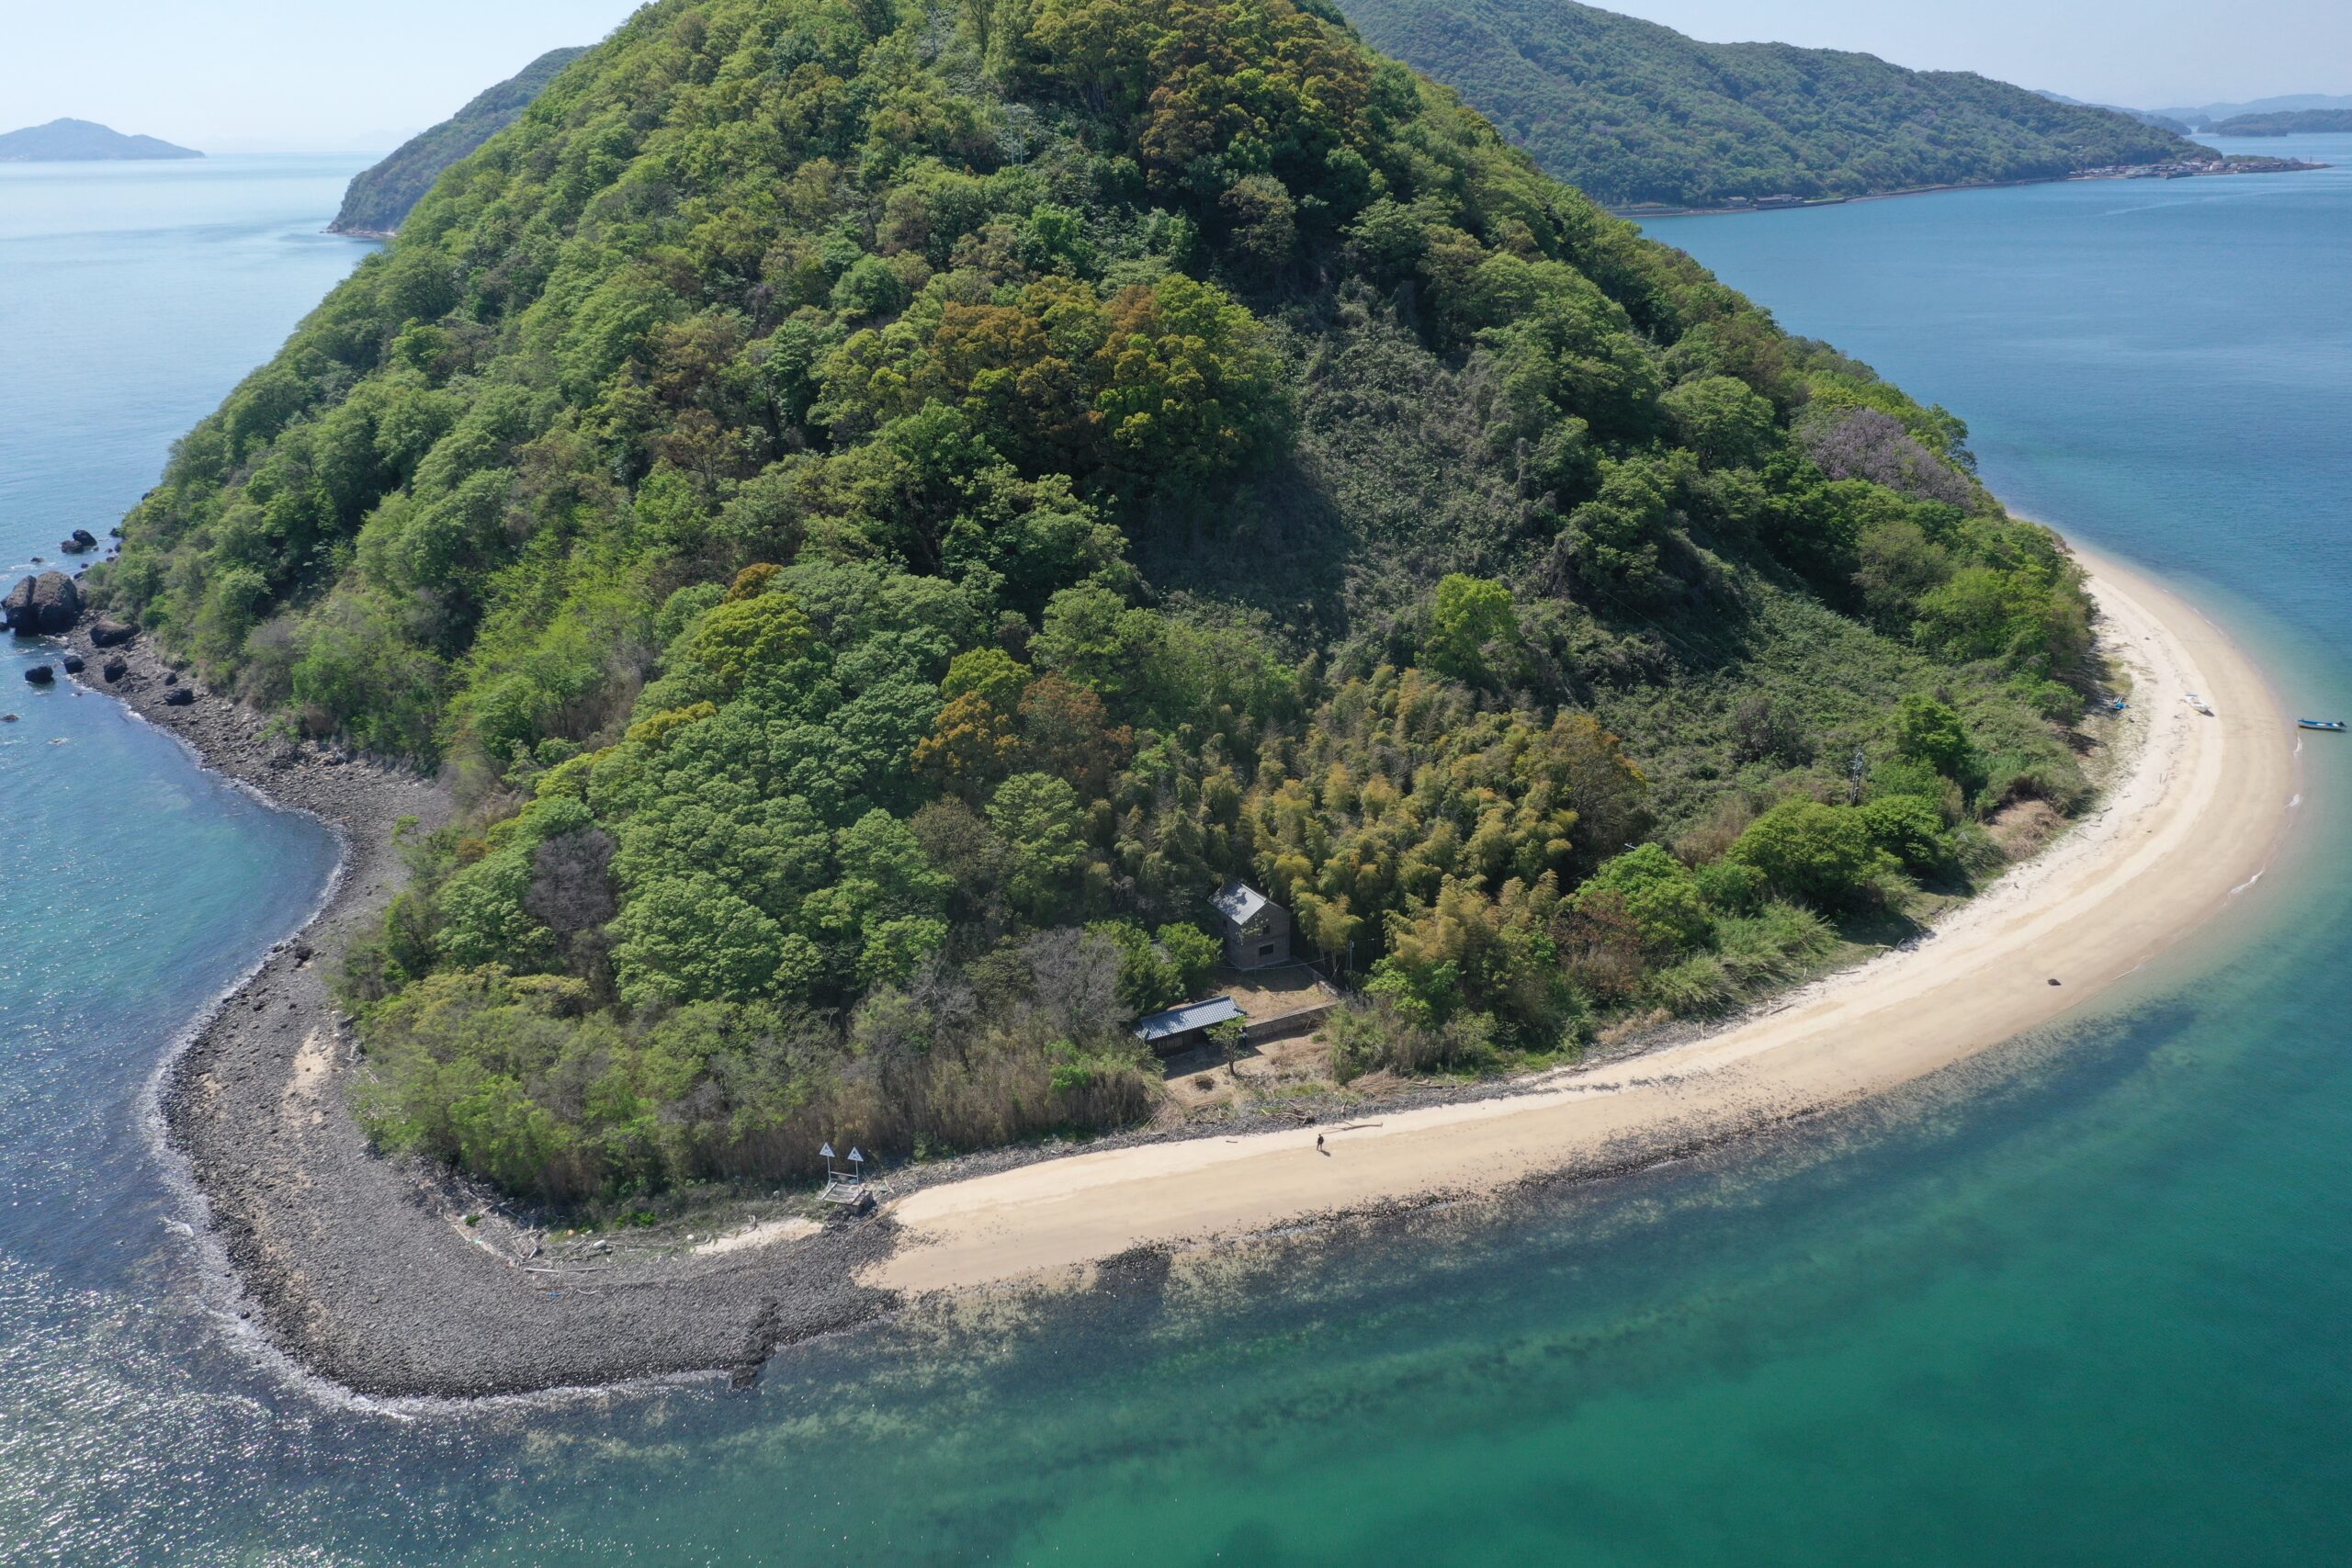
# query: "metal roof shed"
{"points": [[1173, 1030]]}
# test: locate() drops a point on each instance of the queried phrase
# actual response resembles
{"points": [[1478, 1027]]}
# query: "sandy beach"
{"points": [[2189, 823]]}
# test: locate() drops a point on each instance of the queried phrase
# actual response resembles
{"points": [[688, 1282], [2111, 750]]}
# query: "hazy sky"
{"points": [[236, 75], [2143, 53], [231, 75]]}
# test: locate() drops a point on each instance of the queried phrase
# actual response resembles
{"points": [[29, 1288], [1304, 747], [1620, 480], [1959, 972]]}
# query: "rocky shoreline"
{"points": [[361, 1268]]}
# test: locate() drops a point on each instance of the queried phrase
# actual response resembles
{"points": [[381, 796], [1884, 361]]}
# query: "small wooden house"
{"points": [[1256, 929]]}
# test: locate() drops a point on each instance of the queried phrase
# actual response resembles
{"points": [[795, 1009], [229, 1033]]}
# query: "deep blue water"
{"points": [[2086, 1304]]}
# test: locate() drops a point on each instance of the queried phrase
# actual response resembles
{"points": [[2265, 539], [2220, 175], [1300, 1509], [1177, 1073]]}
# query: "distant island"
{"points": [[2293, 122], [381, 198], [2145, 117], [83, 141], [1644, 118], [2210, 117]]}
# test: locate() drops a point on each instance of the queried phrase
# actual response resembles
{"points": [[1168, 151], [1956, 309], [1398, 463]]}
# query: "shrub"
{"points": [[1909, 829], [1803, 850], [1733, 886], [1928, 731], [1658, 894]]}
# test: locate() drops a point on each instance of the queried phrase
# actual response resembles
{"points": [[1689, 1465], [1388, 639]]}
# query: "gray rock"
{"points": [[179, 698], [73, 662], [18, 606], [41, 675], [105, 633], [52, 607], [114, 670]]}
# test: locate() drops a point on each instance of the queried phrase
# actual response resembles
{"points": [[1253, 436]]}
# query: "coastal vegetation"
{"points": [[381, 195], [881, 508], [1635, 112]]}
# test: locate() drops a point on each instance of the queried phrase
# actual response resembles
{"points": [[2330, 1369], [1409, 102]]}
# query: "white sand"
{"points": [[766, 1234], [2192, 818]]}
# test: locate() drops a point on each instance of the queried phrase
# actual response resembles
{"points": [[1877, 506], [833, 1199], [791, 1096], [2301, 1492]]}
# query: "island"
{"points": [[381, 195], [2206, 117], [83, 141], [1647, 120], [873, 586], [2290, 122]]}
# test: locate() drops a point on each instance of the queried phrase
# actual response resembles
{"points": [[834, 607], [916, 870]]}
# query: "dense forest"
{"points": [[1633, 113], [381, 197], [882, 507]]}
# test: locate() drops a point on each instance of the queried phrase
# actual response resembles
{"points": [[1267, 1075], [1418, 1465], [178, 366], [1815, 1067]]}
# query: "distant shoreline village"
{"points": [[2177, 169]]}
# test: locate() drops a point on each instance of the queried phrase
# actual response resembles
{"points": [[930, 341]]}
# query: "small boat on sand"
{"points": [[2193, 700], [2333, 725]]}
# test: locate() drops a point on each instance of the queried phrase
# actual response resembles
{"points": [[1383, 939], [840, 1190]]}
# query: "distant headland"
{"points": [[83, 142], [379, 199]]}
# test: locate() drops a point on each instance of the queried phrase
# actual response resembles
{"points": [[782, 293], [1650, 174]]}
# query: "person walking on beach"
{"points": [[1320, 1148]]}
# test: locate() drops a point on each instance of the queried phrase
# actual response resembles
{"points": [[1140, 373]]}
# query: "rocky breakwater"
{"points": [[47, 606]]}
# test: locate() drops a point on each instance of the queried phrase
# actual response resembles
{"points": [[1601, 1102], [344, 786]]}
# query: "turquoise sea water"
{"points": [[2084, 1304]]}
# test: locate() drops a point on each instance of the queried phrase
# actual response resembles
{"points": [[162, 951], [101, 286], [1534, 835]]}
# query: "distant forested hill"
{"points": [[2296, 122], [1637, 113], [381, 198], [2205, 117], [2145, 117], [83, 142]]}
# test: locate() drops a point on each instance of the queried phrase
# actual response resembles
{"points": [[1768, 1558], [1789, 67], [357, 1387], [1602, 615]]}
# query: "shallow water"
{"points": [[2084, 1304]]}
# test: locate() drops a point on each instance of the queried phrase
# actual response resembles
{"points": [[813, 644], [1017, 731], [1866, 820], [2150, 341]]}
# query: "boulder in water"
{"points": [[47, 603], [41, 675]]}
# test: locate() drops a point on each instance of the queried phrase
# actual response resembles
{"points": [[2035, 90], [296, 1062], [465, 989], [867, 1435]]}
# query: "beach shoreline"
{"points": [[358, 1269], [2191, 823]]}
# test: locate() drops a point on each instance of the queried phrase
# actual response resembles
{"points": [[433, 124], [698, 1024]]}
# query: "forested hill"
{"points": [[381, 197], [883, 509], [1635, 112], [2290, 122], [83, 141]]}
